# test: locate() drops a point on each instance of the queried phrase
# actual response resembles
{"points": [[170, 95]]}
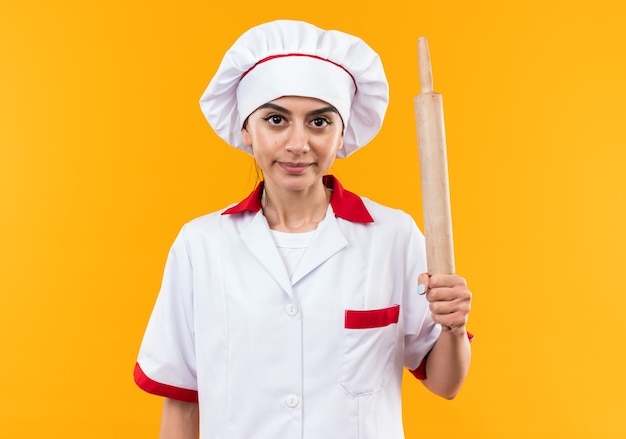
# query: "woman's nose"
{"points": [[298, 141]]}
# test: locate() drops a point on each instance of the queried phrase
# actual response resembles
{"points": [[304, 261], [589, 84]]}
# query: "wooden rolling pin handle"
{"points": [[426, 71]]}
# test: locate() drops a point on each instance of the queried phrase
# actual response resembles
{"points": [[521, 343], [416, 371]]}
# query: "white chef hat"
{"points": [[294, 58]]}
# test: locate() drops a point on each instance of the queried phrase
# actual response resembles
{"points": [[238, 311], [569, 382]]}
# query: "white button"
{"points": [[292, 309], [292, 401]]}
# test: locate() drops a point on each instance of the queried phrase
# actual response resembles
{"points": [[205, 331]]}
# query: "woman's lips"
{"points": [[294, 168]]}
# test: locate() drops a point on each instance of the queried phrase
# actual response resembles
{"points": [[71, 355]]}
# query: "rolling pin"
{"points": [[431, 139]]}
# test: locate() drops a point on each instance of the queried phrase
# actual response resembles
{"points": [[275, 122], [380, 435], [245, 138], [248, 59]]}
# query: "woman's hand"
{"points": [[448, 361], [450, 300]]}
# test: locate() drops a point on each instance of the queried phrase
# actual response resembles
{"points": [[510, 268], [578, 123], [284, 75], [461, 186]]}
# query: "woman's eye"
{"points": [[274, 119], [320, 122]]}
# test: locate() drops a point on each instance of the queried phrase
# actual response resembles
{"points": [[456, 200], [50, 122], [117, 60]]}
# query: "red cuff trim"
{"points": [[160, 389], [374, 318], [420, 371]]}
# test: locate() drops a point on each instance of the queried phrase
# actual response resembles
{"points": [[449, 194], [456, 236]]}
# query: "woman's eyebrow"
{"points": [[270, 105], [329, 109], [274, 107]]}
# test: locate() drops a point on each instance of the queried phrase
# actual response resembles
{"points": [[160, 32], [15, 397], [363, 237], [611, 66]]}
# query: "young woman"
{"points": [[292, 313]]}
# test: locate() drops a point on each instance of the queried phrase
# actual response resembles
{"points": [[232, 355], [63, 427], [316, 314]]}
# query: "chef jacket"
{"points": [[317, 355]]}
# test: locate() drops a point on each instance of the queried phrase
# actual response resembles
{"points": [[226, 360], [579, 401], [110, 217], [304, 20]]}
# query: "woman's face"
{"points": [[294, 140]]}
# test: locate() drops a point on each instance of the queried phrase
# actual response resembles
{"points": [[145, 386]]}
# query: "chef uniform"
{"points": [[307, 337]]}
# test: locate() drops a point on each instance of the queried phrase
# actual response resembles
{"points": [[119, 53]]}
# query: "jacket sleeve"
{"points": [[166, 363], [421, 332]]}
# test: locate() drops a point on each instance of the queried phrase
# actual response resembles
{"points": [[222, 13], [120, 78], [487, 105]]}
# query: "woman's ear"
{"points": [[340, 145], [245, 136]]}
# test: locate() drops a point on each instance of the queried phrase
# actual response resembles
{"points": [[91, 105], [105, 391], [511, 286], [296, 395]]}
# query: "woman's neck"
{"points": [[295, 211]]}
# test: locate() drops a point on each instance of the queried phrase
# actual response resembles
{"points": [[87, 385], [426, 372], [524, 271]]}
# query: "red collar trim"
{"points": [[345, 204]]}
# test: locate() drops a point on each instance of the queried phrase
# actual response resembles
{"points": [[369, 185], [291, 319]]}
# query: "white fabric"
{"points": [[291, 247], [356, 86], [295, 76], [270, 356]]}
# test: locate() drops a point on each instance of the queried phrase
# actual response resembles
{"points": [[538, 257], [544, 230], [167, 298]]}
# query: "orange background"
{"points": [[104, 154]]}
